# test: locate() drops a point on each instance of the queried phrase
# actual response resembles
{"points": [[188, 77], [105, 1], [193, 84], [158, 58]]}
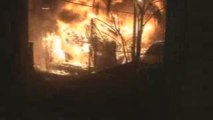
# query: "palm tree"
{"points": [[144, 10]]}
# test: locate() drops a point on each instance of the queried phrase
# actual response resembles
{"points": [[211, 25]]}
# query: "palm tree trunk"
{"points": [[134, 32], [140, 33]]}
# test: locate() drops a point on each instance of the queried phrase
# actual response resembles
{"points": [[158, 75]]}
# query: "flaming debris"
{"points": [[87, 34]]}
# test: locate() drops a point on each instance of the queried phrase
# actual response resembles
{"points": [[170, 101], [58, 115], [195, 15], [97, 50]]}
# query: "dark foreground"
{"points": [[118, 93]]}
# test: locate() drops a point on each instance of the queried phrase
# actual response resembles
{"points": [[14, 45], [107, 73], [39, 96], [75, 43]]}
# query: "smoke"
{"points": [[69, 16]]}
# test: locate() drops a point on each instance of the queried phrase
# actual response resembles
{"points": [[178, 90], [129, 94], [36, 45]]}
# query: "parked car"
{"points": [[155, 53]]}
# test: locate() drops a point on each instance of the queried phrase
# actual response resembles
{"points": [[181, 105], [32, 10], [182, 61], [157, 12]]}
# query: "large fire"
{"points": [[76, 24]]}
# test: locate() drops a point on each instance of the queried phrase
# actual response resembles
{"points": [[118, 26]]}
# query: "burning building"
{"points": [[92, 35]]}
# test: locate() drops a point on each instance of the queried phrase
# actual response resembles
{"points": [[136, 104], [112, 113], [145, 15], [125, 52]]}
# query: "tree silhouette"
{"points": [[144, 10]]}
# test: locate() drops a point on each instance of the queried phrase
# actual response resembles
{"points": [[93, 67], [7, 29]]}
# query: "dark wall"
{"points": [[13, 35], [189, 59], [6, 54], [6, 50]]}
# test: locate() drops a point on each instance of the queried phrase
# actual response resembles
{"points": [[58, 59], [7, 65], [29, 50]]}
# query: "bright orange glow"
{"points": [[70, 42]]}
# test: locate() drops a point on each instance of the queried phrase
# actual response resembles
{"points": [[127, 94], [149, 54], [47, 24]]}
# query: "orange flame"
{"points": [[70, 43]]}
